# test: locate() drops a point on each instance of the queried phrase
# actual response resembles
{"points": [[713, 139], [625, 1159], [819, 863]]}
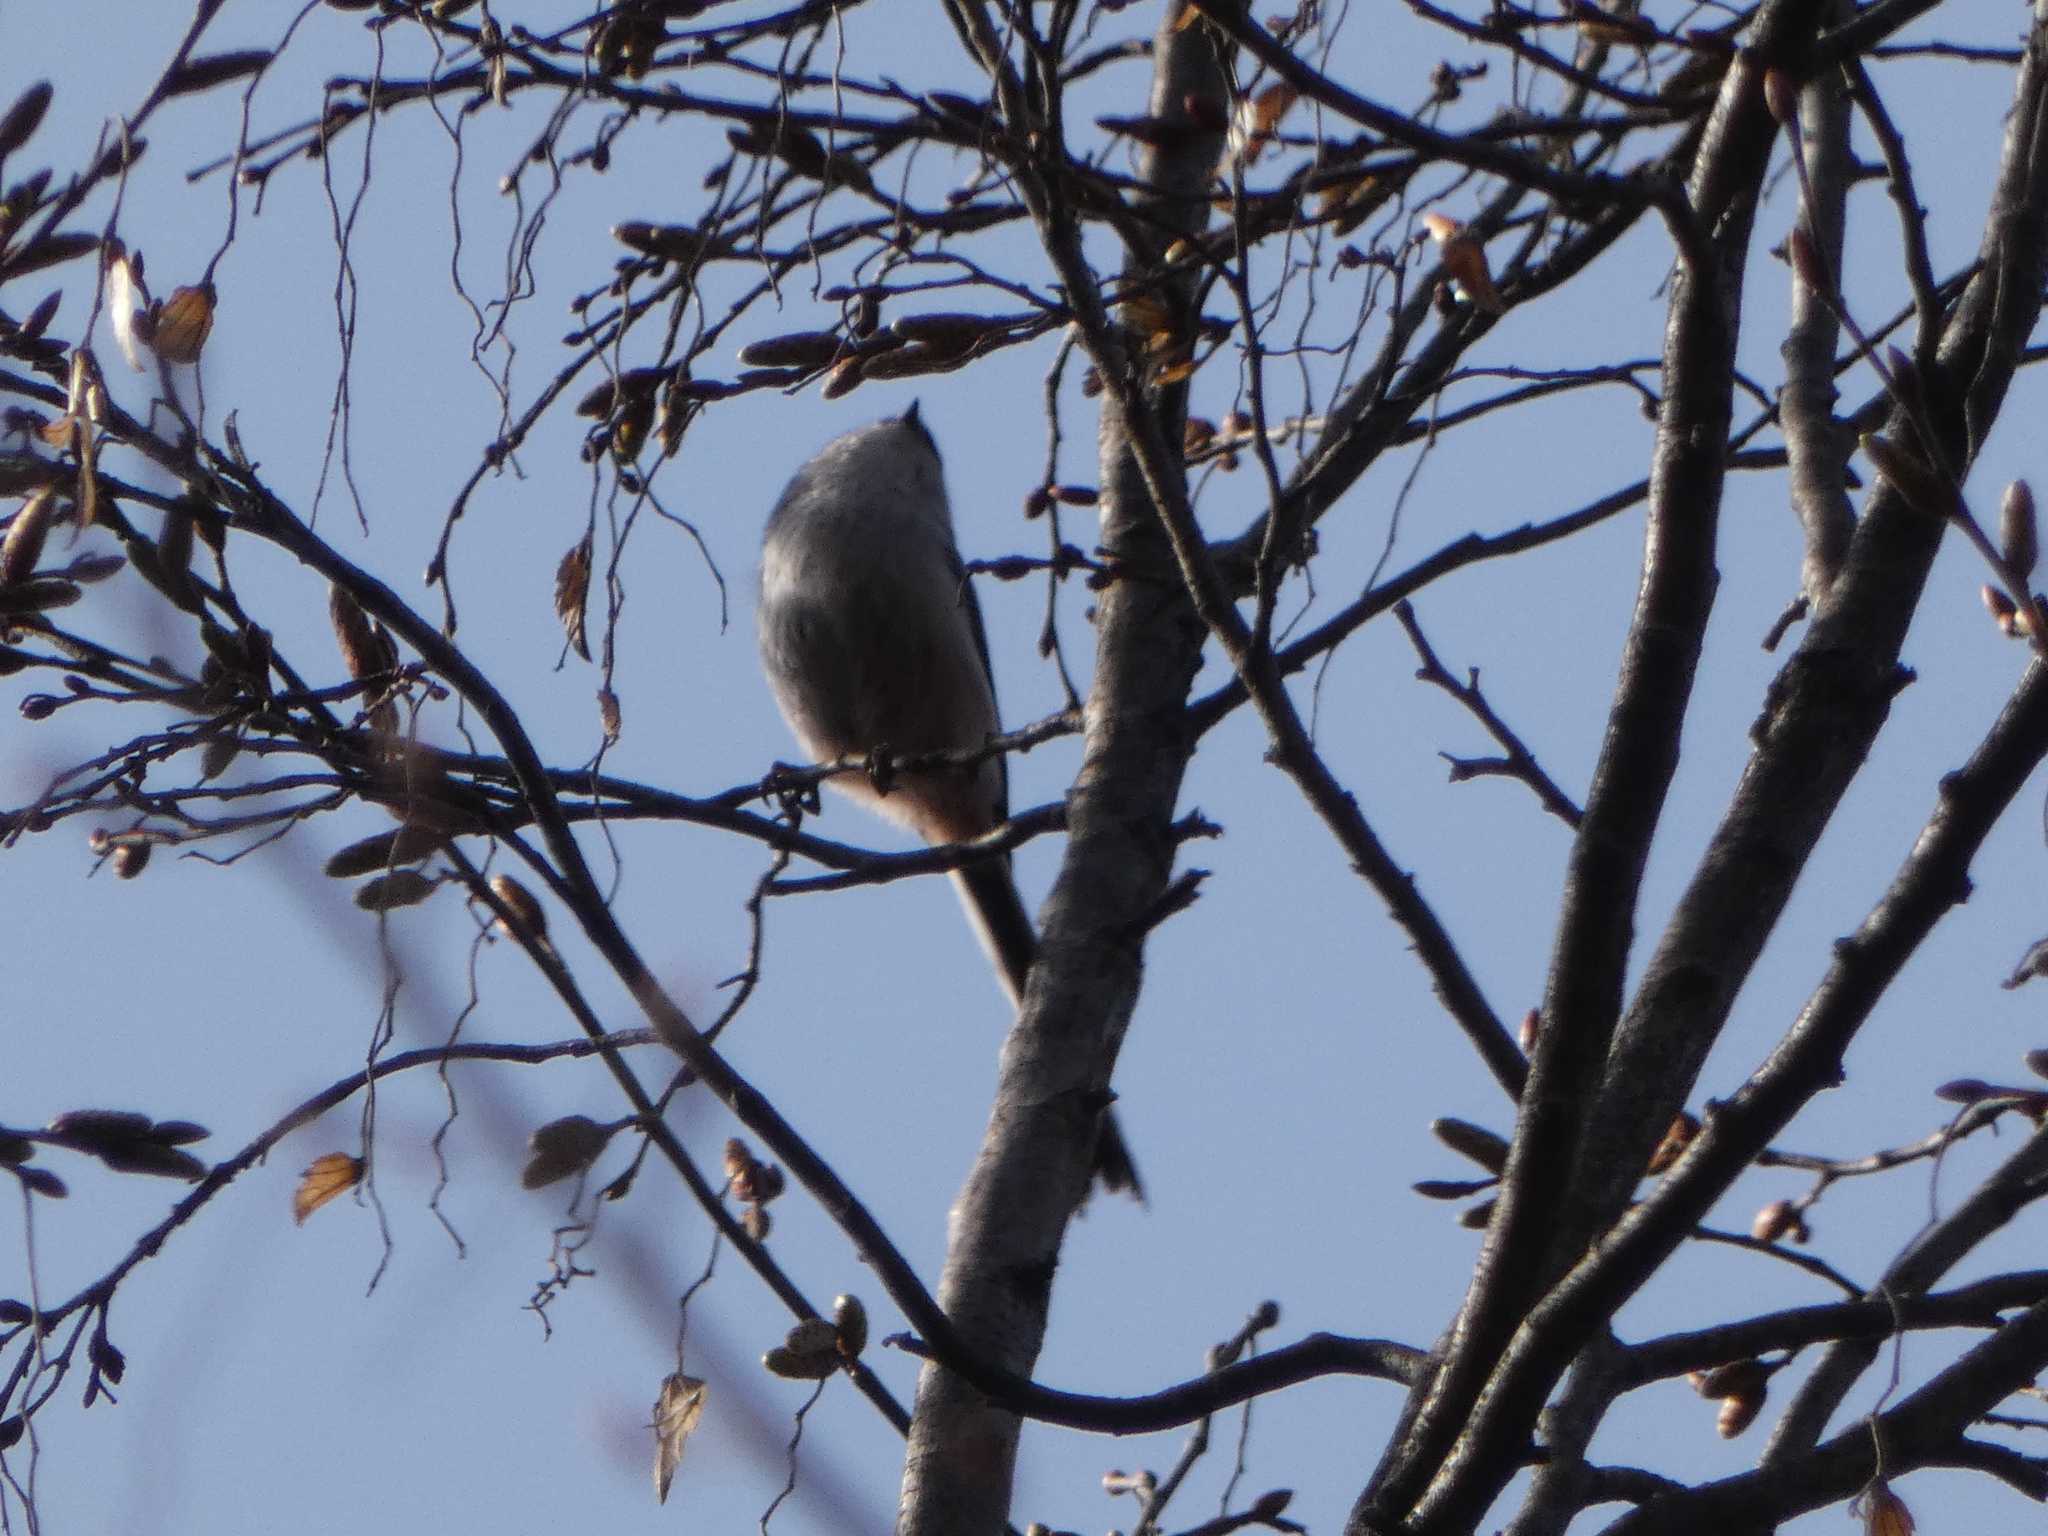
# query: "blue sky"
{"points": [[1286, 1057]]}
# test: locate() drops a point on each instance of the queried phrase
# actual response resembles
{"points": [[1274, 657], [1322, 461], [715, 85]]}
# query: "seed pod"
{"points": [[2018, 539]]}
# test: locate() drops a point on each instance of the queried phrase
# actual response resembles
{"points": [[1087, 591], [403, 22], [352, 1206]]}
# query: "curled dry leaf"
{"points": [[1882, 1512], [572, 594], [179, 330], [677, 1411], [335, 1173], [1464, 259], [563, 1147], [361, 651], [1258, 117]]}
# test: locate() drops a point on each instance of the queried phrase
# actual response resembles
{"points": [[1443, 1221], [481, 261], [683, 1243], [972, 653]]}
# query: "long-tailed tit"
{"points": [[871, 637]]}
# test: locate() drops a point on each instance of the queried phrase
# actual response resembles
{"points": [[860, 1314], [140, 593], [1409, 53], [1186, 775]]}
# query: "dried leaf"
{"points": [[1257, 119], [361, 651], [677, 1412], [572, 594], [1677, 1137], [608, 714], [563, 1147], [179, 330], [334, 1174], [1882, 1512], [1464, 259]]}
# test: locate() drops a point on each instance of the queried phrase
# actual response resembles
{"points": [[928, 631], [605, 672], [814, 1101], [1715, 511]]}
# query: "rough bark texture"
{"points": [[1033, 1169]]}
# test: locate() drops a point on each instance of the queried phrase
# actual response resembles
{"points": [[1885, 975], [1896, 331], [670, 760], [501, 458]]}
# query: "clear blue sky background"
{"points": [[1286, 1057]]}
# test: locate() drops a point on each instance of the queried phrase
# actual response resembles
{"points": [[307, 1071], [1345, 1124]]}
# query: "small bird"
{"points": [[871, 637]]}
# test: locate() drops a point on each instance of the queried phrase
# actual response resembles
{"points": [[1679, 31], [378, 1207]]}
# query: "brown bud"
{"points": [[1484, 1147], [522, 906], [756, 1223], [26, 532], [1806, 262], [2005, 613], [1923, 489], [2018, 540], [131, 858], [1738, 1412], [850, 1323], [1737, 1377], [1781, 96], [798, 349], [1532, 1026]]}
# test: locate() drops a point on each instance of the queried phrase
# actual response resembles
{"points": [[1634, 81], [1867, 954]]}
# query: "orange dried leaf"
{"points": [[572, 594], [334, 1174], [184, 323]]}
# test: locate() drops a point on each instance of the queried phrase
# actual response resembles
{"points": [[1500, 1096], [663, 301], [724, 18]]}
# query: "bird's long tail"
{"points": [[996, 910]]}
